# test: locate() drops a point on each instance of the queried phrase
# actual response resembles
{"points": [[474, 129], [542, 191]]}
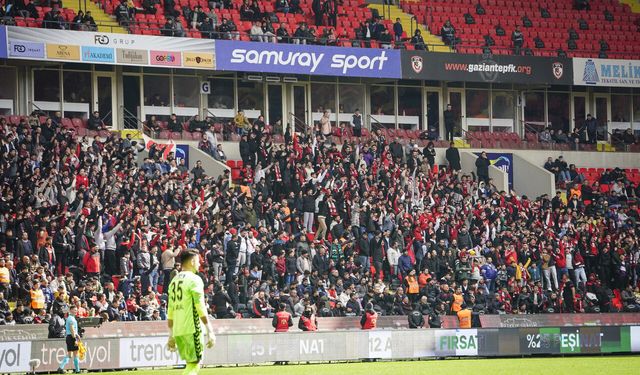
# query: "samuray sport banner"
{"points": [[312, 60], [486, 68]]}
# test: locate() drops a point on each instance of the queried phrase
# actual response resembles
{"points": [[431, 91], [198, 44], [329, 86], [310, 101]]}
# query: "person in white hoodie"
{"points": [[393, 255], [106, 241]]}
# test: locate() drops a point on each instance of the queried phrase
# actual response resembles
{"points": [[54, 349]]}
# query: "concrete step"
{"points": [[106, 22]]}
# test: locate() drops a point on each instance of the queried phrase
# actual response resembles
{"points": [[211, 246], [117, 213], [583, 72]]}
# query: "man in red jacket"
{"points": [[91, 262], [282, 320], [308, 321]]}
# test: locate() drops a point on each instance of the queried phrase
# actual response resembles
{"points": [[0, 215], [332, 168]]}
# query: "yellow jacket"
{"points": [[242, 121]]}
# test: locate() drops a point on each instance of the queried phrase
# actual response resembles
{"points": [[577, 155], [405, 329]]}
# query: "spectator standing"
{"points": [[397, 30], [449, 122], [591, 124], [482, 167], [453, 157]]}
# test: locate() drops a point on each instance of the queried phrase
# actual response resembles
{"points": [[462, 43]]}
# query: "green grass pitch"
{"points": [[582, 365]]}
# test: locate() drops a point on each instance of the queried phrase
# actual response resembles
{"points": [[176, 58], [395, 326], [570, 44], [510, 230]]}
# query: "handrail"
{"points": [[40, 110], [126, 114], [298, 121], [212, 115], [378, 123]]}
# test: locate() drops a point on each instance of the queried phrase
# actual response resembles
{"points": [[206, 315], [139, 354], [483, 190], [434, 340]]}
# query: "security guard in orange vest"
{"points": [[369, 319], [464, 317], [37, 297], [282, 320], [413, 288], [308, 321], [458, 300]]}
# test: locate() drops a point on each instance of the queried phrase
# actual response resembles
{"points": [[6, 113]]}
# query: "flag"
{"points": [[165, 148]]}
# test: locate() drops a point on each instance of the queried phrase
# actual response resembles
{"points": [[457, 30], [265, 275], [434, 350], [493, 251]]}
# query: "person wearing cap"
{"points": [[369, 318]]}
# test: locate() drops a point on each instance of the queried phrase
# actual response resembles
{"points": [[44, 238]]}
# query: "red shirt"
{"points": [[82, 181]]}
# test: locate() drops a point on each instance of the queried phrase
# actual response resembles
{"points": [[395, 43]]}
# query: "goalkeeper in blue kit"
{"points": [[187, 315]]}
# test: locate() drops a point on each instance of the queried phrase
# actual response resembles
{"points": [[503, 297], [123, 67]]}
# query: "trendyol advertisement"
{"points": [[313, 60], [106, 48]]}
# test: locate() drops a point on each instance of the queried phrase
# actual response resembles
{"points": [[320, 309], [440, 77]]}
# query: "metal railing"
{"points": [[298, 124], [131, 121], [376, 124]]}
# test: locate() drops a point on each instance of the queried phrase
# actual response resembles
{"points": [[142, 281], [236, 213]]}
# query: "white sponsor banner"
{"points": [[606, 72], [634, 336], [15, 356], [380, 344], [457, 342], [147, 352]]}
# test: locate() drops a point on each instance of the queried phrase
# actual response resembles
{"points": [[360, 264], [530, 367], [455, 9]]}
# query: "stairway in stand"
{"points": [[434, 42], [633, 4], [106, 23]]}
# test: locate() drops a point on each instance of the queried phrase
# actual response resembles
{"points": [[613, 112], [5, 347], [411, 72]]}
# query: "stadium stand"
{"points": [[306, 224], [611, 22]]}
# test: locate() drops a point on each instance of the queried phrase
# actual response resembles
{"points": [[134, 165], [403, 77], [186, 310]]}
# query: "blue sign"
{"points": [[3, 42], [182, 152], [305, 59], [18, 48], [98, 54], [502, 161]]}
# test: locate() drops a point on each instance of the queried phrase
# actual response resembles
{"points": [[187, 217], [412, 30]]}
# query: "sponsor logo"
{"points": [[416, 63], [165, 58], [101, 39], [147, 351], [133, 56], [26, 49], [198, 59], [104, 40], [590, 74], [309, 60], [457, 342], [98, 54], [99, 353], [14, 356], [557, 70], [63, 52], [489, 69]]}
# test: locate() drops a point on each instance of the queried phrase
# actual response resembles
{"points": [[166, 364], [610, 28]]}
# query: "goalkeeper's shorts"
{"points": [[190, 347]]}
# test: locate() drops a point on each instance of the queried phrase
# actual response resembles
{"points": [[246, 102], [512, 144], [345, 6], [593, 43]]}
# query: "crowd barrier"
{"points": [[227, 326], [141, 352]]}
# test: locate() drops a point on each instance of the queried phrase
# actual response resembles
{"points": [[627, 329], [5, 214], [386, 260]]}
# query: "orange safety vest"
{"points": [[37, 299], [414, 288], [5, 277], [464, 317], [457, 303], [309, 323], [282, 324], [371, 320], [287, 212]]}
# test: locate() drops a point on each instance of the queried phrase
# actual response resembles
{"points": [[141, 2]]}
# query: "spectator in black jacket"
{"points": [[482, 167], [518, 40], [397, 30], [282, 35], [591, 124], [453, 157], [377, 254], [448, 34]]}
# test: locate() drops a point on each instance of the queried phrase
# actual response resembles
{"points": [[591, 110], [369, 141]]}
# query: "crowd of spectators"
{"points": [[310, 224]]}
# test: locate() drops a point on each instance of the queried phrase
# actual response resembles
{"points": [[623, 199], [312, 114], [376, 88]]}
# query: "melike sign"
{"points": [[298, 59], [606, 72]]}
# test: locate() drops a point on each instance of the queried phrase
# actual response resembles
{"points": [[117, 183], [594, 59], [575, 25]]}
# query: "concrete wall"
{"points": [[211, 166], [500, 178], [531, 179]]}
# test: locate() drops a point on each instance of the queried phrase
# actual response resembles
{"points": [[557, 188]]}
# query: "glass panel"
{"points": [[455, 99], [477, 108], [602, 116], [77, 94], [579, 111], [383, 106], [323, 96], [222, 99], [104, 99], [636, 113], [534, 111], [351, 98], [46, 85], [157, 92], [131, 90], [502, 110], [558, 110], [621, 108], [410, 107], [275, 106], [251, 98], [433, 114], [186, 92], [300, 103], [7, 91]]}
